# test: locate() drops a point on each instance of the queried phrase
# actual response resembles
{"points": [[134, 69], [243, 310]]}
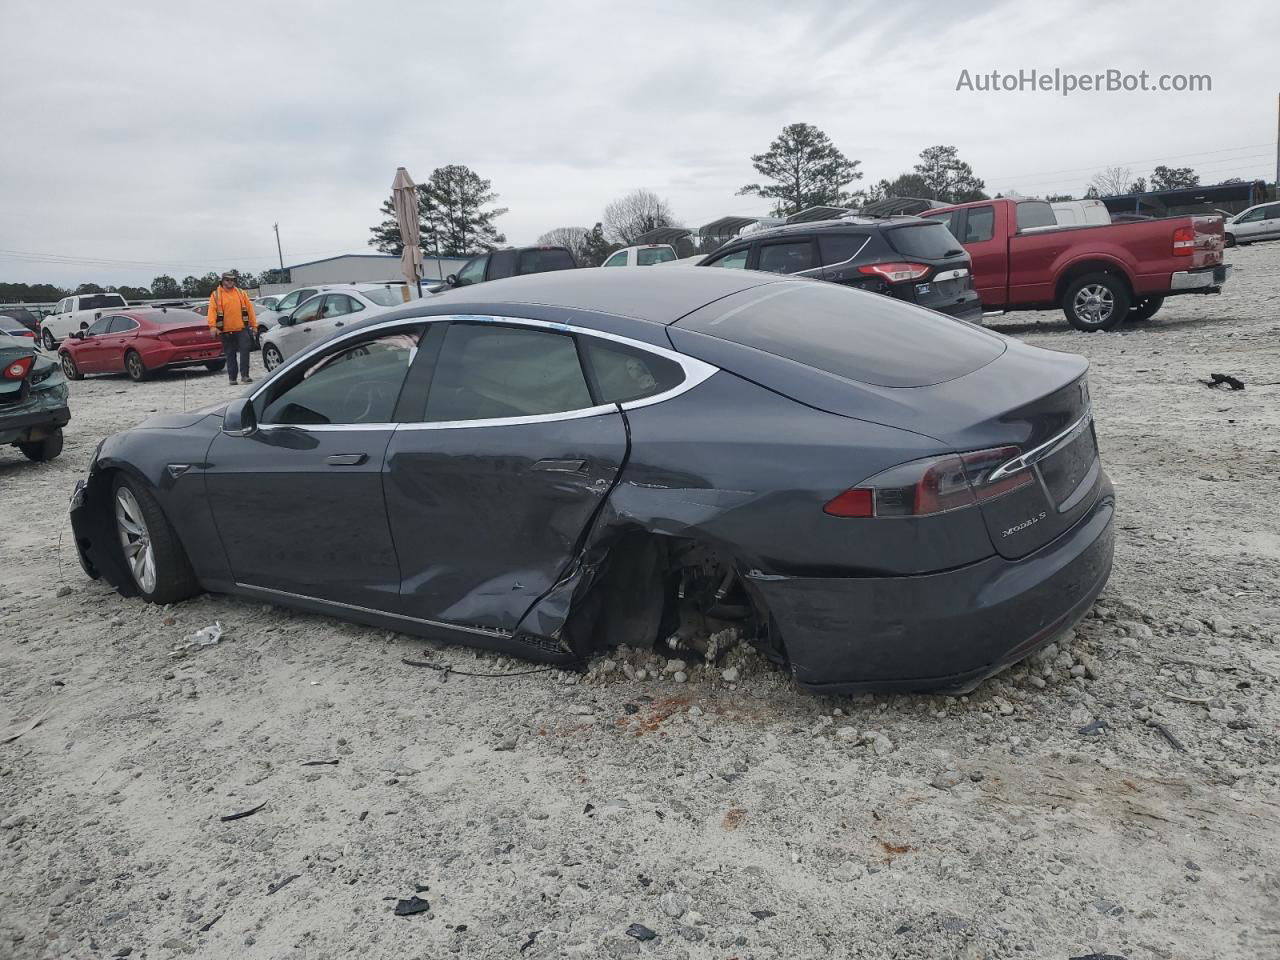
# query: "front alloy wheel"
{"points": [[271, 356], [135, 540]]}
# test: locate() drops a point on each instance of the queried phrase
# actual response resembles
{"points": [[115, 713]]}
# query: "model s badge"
{"points": [[1024, 524]]}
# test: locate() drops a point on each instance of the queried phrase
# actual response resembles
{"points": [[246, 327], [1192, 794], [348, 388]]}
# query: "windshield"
{"points": [[384, 297], [647, 258]]}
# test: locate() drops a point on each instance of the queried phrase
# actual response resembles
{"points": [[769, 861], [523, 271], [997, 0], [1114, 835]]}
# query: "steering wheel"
{"points": [[368, 396]]}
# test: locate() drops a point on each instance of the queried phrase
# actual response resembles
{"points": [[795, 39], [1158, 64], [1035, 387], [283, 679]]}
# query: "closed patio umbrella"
{"points": [[404, 198]]}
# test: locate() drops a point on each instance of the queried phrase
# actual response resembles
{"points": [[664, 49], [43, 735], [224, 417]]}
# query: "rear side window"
{"points": [[1036, 213], [734, 261], [623, 373], [487, 371], [544, 261], [980, 225], [839, 247], [850, 333], [121, 325], [928, 241], [647, 258], [786, 257], [1272, 212]]}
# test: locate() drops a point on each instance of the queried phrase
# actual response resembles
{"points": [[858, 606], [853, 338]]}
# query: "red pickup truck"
{"points": [[1098, 274]]}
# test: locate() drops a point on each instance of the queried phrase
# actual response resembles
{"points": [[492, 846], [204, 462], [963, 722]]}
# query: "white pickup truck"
{"points": [[77, 313]]}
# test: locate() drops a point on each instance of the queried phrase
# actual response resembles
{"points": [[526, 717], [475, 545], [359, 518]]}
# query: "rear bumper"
{"points": [[19, 428], [942, 632], [1203, 280], [183, 355]]}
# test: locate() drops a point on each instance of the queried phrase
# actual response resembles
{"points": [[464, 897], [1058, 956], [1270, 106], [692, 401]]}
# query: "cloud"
{"points": [[175, 134]]}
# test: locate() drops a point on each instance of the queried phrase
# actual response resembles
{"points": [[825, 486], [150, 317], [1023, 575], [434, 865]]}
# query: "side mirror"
{"points": [[451, 279], [285, 320], [239, 419], [78, 334]]}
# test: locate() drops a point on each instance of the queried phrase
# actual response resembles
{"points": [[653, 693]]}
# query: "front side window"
{"points": [[786, 257], [624, 373], [734, 261], [619, 259], [359, 383], [99, 327], [980, 225], [949, 218], [1272, 212], [647, 258], [487, 371], [1250, 215], [473, 272], [308, 311]]}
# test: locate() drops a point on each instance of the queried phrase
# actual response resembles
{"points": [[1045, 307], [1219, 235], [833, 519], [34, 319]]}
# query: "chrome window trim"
{"points": [[478, 631], [695, 372], [831, 266], [1046, 449]]}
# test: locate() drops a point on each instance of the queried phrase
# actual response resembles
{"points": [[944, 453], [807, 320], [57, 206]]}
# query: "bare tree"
{"points": [[573, 238], [634, 214], [1112, 181]]}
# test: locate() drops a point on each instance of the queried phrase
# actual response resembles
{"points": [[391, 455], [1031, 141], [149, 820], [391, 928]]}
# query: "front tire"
{"points": [[151, 556], [1096, 301], [47, 339], [39, 451], [1145, 309], [271, 356], [134, 367], [69, 368], [215, 366]]}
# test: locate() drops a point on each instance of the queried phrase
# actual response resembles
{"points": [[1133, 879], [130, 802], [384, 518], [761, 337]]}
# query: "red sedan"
{"points": [[141, 341]]}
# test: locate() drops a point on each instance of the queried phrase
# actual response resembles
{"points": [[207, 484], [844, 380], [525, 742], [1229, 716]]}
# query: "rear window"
{"points": [[544, 261], [174, 316], [384, 297], [1036, 213], [8, 323], [928, 241], [102, 301], [647, 258], [850, 333]]}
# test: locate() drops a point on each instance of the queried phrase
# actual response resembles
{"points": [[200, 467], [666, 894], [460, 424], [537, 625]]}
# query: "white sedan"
{"points": [[322, 314]]}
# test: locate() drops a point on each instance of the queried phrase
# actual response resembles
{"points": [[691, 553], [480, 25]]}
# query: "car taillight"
{"points": [[1184, 242], [19, 368], [922, 488], [895, 272]]}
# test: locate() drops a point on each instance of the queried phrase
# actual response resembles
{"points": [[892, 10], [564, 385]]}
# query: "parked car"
{"points": [[515, 262], [1097, 275], [268, 302], [644, 255], [324, 313], [24, 317], [1073, 213], [289, 302], [880, 496], [1259, 222], [903, 257], [76, 313], [14, 328], [140, 341], [33, 400]]}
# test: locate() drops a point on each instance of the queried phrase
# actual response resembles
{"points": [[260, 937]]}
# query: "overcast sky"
{"points": [[170, 136]]}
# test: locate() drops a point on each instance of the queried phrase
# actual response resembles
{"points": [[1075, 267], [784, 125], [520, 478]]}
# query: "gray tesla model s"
{"points": [[880, 496]]}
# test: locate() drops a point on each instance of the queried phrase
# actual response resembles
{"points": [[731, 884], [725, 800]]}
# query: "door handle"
{"points": [[346, 459], [339, 324], [561, 466]]}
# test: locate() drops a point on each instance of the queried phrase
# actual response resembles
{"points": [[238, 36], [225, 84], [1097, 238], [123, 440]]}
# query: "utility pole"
{"points": [[279, 253], [1276, 186]]}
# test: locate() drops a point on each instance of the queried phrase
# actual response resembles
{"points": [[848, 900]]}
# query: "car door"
{"points": [[1271, 220], [987, 251], [88, 351], [111, 346], [59, 322], [298, 501], [490, 493], [1250, 225], [303, 328]]}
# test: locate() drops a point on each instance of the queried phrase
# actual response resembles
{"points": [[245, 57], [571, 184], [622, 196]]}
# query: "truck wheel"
{"points": [[1231, 240], [134, 366], [1096, 301], [42, 450], [47, 339], [1145, 309]]}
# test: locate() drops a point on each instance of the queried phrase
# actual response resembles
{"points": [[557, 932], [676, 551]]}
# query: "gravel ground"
{"points": [[1047, 815]]}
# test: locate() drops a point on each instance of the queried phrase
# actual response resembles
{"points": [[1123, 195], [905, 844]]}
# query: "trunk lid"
{"points": [[196, 333], [1210, 237]]}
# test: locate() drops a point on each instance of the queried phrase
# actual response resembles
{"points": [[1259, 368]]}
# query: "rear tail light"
{"points": [[923, 488], [19, 368], [895, 272], [1184, 241]]}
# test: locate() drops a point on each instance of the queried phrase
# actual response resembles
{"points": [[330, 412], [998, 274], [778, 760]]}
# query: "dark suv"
{"points": [[511, 263], [905, 257]]}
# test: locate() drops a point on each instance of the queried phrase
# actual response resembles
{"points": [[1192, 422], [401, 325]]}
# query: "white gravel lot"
{"points": [[546, 813]]}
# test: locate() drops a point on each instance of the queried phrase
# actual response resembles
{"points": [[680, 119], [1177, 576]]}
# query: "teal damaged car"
{"points": [[33, 401]]}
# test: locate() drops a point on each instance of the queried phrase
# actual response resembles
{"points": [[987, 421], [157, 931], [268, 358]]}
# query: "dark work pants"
{"points": [[235, 347]]}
